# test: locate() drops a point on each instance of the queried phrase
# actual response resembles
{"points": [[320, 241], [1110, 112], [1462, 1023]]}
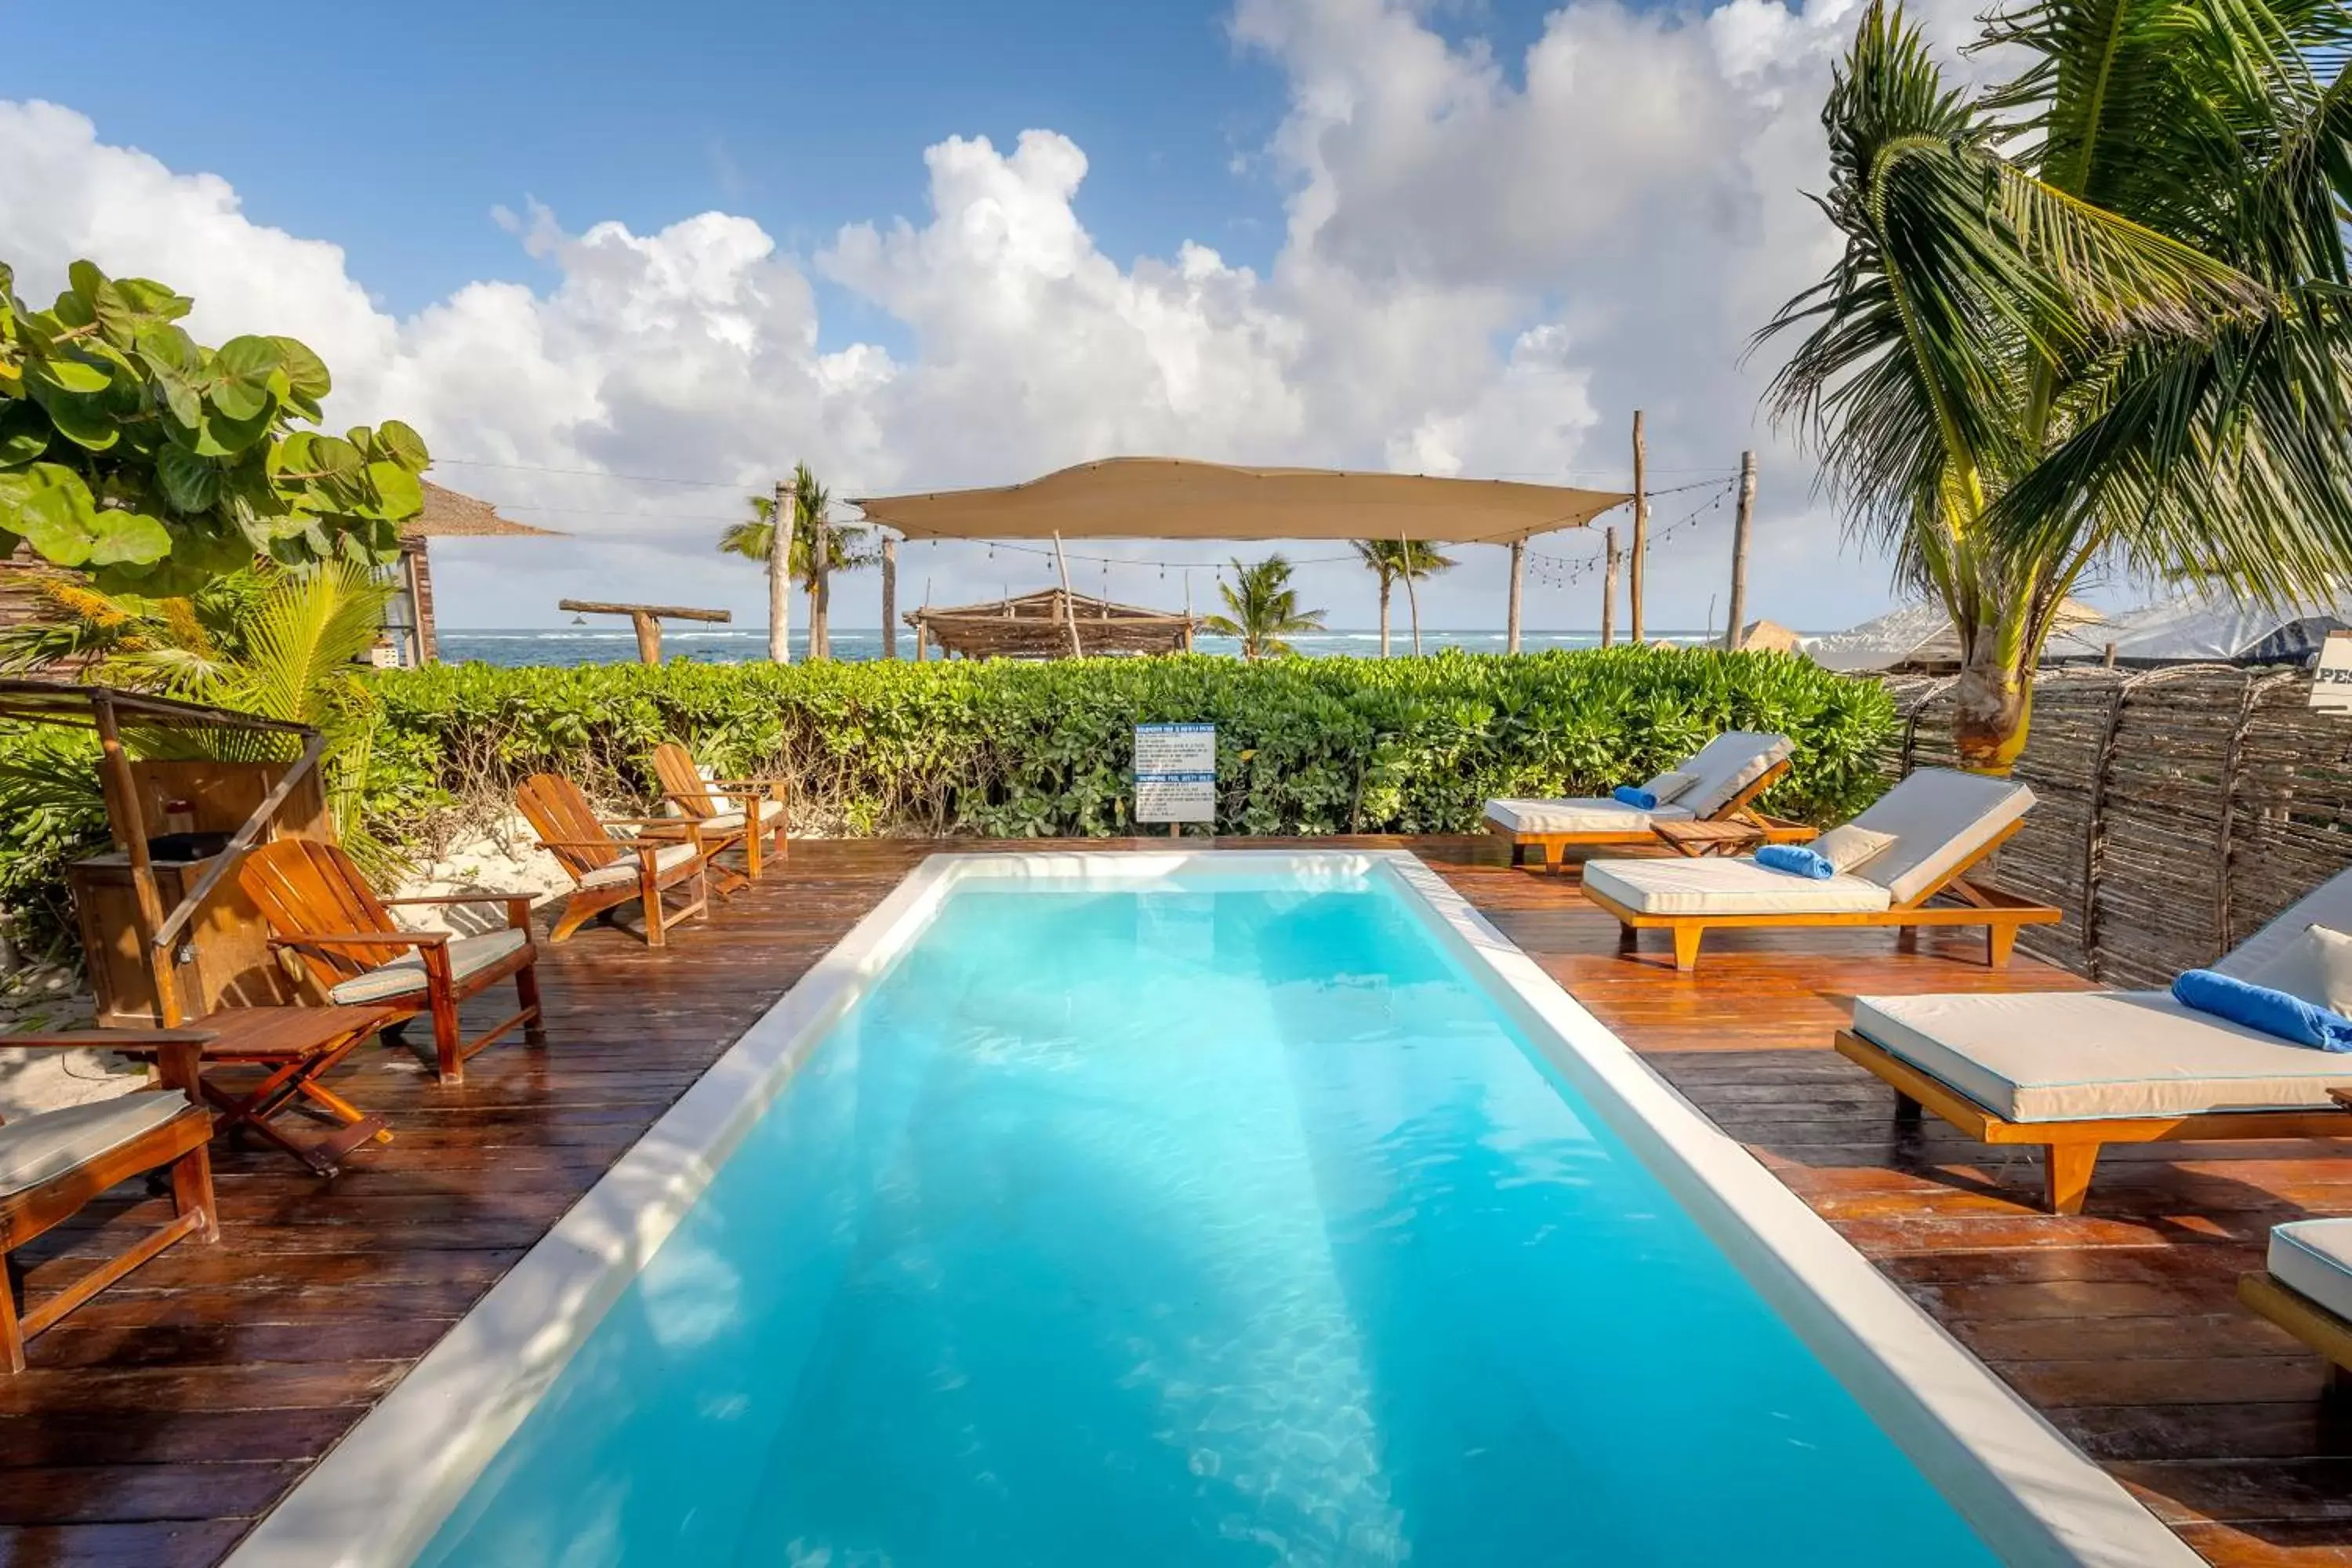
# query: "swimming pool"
{"points": [[1215, 1209]]}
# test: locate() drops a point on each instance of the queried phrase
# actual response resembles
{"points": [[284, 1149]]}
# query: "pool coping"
{"points": [[378, 1498]]}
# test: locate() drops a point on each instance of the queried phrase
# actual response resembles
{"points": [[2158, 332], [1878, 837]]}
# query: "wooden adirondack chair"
{"points": [[319, 906], [755, 812], [607, 871]]}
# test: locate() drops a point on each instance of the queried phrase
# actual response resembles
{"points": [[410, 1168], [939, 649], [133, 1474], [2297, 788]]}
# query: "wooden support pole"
{"points": [[1640, 527], [779, 578], [1609, 590], [1070, 605], [889, 598], [648, 628], [1511, 625], [133, 830], [1412, 596], [820, 590], [1740, 526]]}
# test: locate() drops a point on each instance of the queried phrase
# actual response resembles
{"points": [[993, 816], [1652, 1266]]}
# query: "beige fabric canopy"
{"points": [[1173, 498]]}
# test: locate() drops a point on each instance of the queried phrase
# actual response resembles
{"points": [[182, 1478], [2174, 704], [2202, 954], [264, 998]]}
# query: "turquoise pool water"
{"points": [[1210, 1222]]}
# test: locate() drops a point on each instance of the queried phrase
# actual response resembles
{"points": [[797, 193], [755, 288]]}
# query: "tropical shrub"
{"points": [[1016, 750], [130, 450]]}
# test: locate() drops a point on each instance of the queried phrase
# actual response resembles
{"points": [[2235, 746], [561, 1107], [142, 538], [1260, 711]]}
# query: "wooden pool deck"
{"points": [[159, 1421]]}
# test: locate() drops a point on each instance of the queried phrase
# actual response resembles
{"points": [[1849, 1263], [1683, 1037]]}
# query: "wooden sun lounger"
{"points": [[2001, 914], [319, 906], [1554, 847], [582, 842], [179, 1144], [707, 799], [2070, 1150], [2266, 1296]]}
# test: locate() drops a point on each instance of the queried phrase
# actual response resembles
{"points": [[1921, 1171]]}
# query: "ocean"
{"points": [[568, 646]]}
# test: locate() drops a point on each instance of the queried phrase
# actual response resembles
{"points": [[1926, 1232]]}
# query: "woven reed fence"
{"points": [[2180, 808]]}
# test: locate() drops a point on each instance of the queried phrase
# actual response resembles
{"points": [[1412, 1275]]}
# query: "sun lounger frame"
{"points": [[1555, 845], [2070, 1150], [2000, 913], [2265, 1295]]}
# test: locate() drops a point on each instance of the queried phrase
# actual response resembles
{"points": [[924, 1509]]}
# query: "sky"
{"points": [[623, 267]]}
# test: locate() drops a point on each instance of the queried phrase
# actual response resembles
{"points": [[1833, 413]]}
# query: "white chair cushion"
{"points": [[669, 858], [1579, 815], [1939, 819], [2097, 1055], [2329, 905], [1727, 764], [467, 955], [2316, 967], [1849, 847], [728, 821], [1740, 887], [49, 1143], [1671, 786], [2313, 1257]]}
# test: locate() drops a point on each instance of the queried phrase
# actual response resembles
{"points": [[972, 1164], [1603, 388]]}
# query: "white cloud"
{"points": [[1484, 270]]}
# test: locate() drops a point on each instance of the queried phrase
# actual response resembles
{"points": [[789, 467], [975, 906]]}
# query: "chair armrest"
{"points": [[363, 938], [105, 1039], [676, 829], [608, 842], [731, 785], [454, 899]]}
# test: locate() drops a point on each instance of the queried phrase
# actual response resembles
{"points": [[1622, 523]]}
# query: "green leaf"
{"points": [[151, 298], [51, 508], [190, 483], [165, 347], [215, 435], [71, 375], [180, 398], [23, 435], [331, 456], [246, 359], [241, 399], [398, 492], [306, 373], [406, 446], [130, 538], [86, 280], [84, 421]]}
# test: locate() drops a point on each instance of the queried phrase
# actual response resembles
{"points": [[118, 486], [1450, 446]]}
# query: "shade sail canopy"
{"points": [[1173, 498]]}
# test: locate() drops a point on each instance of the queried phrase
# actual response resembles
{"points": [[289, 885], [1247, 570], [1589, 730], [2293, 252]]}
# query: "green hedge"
{"points": [[1304, 746]]}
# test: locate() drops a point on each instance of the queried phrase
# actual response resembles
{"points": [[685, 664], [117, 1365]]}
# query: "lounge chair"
{"points": [[1942, 824], [607, 871], [2071, 1072], [2307, 1289], [1725, 775], [320, 907], [54, 1162], [727, 808]]}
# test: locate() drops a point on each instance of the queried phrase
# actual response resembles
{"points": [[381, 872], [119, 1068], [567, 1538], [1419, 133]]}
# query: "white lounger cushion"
{"points": [[2313, 1257], [1939, 819], [1727, 764], [728, 821], [1577, 816], [49, 1143], [2090, 1056], [1741, 887], [467, 954], [668, 858], [2329, 905]]}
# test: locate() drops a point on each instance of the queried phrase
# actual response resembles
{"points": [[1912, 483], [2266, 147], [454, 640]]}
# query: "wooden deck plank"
{"points": [[156, 1423]]}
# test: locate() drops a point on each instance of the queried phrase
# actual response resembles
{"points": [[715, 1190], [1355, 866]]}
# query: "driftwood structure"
{"points": [[647, 618], [2180, 808], [1046, 624]]}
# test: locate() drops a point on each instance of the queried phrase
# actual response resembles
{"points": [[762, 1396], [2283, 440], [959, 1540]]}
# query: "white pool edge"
{"points": [[377, 1498]]}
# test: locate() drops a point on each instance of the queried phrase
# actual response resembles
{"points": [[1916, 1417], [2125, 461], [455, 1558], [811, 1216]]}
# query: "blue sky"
{"points": [[1449, 315]]}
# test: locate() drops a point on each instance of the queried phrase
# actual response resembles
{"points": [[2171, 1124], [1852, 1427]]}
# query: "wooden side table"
{"points": [[1699, 839]]}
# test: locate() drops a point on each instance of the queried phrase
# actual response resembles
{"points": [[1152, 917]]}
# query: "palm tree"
{"points": [[845, 548], [2089, 319], [1391, 560], [1262, 608]]}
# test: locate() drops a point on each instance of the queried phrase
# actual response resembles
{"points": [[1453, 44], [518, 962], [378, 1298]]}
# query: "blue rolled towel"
{"points": [[1638, 799], [1796, 860], [2275, 1013]]}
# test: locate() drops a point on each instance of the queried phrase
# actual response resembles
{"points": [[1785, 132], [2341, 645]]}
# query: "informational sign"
{"points": [[2331, 682], [1175, 772]]}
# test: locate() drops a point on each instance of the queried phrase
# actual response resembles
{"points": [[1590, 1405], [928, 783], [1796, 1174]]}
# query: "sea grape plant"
{"points": [[131, 451]]}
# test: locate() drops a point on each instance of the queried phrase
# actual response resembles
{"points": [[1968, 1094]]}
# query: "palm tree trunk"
{"points": [[1993, 710], [1384, 618], [1413, 603], [780, 582]]}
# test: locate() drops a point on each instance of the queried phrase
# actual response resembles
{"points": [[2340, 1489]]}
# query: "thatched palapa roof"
{"points": [[449, 515], [1037, 625]]}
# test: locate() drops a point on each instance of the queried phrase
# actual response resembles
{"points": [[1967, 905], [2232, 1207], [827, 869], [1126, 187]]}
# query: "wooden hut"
{"points": [[408, 629], [1044, 624]]}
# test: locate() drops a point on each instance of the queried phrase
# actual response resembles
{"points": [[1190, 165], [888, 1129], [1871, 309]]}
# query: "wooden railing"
{"points": [[2180, 808]]}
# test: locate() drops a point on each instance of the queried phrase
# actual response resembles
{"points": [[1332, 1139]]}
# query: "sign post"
{"points": [[2331, 679], [1175, 774]]}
